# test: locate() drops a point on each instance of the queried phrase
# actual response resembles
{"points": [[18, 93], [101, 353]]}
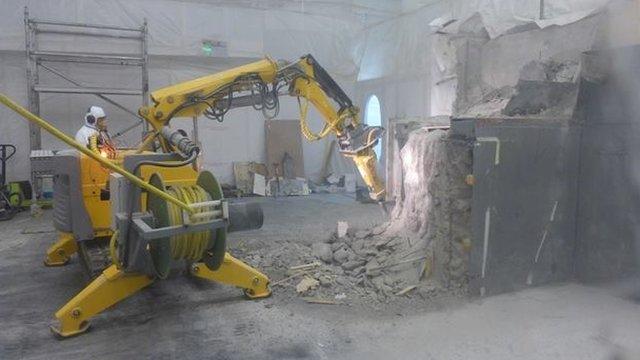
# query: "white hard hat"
{"points": [[93, 114]]}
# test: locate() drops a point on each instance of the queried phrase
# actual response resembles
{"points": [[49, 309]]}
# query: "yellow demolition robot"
{"points": [[133, 215]]}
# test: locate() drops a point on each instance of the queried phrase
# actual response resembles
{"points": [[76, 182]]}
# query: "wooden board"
{"points": [[283, 136]]}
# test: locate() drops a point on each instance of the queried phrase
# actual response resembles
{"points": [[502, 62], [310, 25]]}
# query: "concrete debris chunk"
{"points": [[337, 245], [330, 239], [379, 229], [353, 256], [342, 229], [358, 245], [340, 296], [341, 255], [373, 267], [361, 234], [307, 283], [322, 251], [352, 264], [383, 242], [325, 280], [342, 281], [371, 252]]}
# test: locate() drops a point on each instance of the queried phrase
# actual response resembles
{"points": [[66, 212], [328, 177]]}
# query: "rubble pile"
{"points": [[421, 250], [425, 243]]}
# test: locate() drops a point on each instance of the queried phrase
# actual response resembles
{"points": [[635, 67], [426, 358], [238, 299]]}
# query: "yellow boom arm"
{"points": [[192, 98], [259, 84]]}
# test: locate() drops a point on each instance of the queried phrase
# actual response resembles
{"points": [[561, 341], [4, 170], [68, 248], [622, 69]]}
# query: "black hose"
{"points": [[192, 157]]}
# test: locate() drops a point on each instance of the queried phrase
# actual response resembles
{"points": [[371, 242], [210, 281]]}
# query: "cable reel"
{"points": [[207, 246]]}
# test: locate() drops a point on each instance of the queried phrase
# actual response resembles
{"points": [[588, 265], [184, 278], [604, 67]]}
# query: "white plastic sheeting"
{"points": [[398, 46], [176, 32], [178, 28], [443, 76], [413, 70], [500, 16]]}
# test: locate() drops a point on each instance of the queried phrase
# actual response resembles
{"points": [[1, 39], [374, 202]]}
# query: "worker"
{"points": [[95, 123]]}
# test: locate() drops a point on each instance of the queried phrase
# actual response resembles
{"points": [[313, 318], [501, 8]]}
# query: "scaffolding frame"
{"points": [[38, 60]]}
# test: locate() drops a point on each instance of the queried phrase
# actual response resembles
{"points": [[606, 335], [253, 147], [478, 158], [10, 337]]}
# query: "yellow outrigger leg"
{"points": [[234, 272], [111, 287], [60, 252], [114, 285]]}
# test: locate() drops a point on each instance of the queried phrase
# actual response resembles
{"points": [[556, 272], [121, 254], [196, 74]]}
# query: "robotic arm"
{"points": [[259, 85], [356, 140]]}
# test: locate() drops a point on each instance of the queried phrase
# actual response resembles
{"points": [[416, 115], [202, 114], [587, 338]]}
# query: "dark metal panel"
{"points": [[529, 192]]}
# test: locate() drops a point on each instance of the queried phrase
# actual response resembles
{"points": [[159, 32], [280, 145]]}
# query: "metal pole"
{"points": [[195, 130], [62, 59], [83, 149], [85, 90], [35, 140], [95, 34], [145, 73], [117, 59], [72, 24], [541, 9]]}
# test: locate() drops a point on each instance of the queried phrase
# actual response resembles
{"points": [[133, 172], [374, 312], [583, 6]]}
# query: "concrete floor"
{"points": [[182, 318]]}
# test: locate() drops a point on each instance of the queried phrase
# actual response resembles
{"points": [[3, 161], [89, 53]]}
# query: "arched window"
{"points": [[373, 117]]}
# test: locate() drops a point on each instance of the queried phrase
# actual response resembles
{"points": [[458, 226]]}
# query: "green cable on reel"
{"points": [[207, 246]]}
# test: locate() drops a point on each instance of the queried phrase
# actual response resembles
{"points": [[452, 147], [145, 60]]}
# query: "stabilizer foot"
{"points": [[234, 272], [111, 287], [60, 253], [81, 330]]}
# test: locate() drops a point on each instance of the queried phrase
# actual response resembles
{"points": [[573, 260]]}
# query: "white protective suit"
{"points": [[90, 127]]}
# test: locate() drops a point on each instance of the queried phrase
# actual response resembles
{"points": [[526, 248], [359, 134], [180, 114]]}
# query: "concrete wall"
{"points": [[608, 236]]}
